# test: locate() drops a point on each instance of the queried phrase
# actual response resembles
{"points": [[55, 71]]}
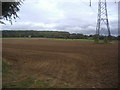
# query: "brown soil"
{"points": [[73, 63]]}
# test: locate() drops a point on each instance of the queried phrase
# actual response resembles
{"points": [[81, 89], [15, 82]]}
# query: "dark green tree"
{"points": [[10, 9]]}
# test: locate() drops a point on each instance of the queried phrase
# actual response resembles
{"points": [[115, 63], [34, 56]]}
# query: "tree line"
{"points": [[50, 34]]}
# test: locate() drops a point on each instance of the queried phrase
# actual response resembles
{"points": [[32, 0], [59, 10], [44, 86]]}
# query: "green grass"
{"points": [[12, 80], [55, 39], [20, 37], [22, 84], [14, 38], [6, 67], [27, 83], [73, 39], [48, 38]]}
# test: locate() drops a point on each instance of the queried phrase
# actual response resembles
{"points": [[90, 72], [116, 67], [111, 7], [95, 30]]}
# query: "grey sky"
{"points": [[58, 15]]}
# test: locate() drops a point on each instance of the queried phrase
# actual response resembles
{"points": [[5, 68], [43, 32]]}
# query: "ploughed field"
{"points": [[72, 64]]}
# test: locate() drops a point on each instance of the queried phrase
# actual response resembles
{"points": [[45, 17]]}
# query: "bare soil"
{"points": [[75, 64]]}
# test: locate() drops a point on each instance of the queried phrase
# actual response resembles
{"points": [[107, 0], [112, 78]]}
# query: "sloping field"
{"points": [[63, 63]]}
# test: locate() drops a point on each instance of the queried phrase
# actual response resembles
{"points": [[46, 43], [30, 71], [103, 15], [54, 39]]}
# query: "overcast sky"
{"points": [[74, 16]]}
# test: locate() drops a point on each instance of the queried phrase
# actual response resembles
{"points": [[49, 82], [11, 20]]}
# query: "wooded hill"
{"points": [[49, 34]]}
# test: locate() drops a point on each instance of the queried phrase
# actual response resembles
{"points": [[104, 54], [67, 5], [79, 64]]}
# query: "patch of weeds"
{"points": [[27, 83], [9, 80], [6, 67], [21, 84], [106, 40], [96, 40]]}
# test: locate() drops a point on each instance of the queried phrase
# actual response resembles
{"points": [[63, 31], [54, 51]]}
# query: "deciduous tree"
{"points": [[10, 9]]}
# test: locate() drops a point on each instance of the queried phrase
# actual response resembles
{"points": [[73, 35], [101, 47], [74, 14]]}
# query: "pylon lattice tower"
{"points": [[102, 21]]}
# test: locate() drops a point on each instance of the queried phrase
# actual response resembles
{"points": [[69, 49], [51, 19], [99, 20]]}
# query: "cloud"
{"points": [[74, 16]]}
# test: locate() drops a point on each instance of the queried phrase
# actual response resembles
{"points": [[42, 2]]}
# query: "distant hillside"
{"points": [[49, 34]]}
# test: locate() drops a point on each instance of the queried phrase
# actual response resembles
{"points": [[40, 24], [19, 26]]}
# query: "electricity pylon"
{"points": [[102, 20]]}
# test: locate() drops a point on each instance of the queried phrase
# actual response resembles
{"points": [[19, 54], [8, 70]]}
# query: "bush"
{"points": [[107, 40], [96, 40]]}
